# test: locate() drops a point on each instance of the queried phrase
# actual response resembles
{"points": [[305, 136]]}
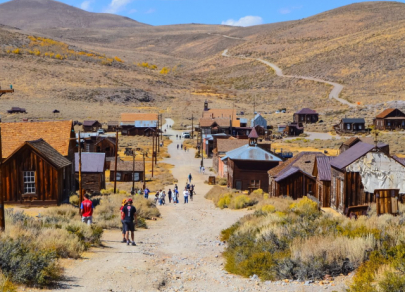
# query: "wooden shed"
{"points": [[36, 173], [351, 126], [390, 119], [91, 126], [93, 168], [294, 177], [125, 171], [322, 173], [306, 115], [105, 145]]}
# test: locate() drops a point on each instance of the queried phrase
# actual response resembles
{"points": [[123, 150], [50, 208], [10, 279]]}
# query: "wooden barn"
{"points": [[91, 126], [294, 178], [390, 119], [125, 171], [36, 173], [247, 166], [138, 124], [322, 174], [358, 172], [93, 168], [306, 115]]}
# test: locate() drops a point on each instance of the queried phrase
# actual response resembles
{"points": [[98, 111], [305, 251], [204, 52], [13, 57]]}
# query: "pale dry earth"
{"points": [[179, 252]]}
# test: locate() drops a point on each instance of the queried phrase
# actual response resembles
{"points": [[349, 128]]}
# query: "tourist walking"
{"points": [[191, 192], [185, 194], [128, 215], [87, 210], [203, 170], [190, 177], [181, 146], [146, 193], [185, 148], [162, 196], [176, 188], [169, 195], [175, 196], [124, 203]]}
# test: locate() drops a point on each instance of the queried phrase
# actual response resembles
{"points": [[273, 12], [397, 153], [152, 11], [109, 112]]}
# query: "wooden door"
{"points": [[387, 201]]}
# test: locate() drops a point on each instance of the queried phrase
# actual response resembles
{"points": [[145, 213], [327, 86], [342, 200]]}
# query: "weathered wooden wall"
{"points": [[92, 182], [126, 176], [296, 186]]}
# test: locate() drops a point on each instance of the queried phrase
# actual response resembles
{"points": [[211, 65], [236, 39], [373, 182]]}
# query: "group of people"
{"points": [[180, 146]]}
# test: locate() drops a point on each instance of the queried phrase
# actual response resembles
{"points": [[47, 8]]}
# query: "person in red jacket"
{"points": [[87, 210]]}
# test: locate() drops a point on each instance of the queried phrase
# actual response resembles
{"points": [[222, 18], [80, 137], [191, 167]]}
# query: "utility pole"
{"points": [[115, 166], [2, 216], [133, 172], [144, 173], [161, 128], [202, 150], [157, 129], [80, 174], [192, 126], [153, 150]]}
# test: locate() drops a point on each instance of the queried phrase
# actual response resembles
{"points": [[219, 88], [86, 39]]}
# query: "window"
{"points": [[118, 176], [348, 126], [135, 176], [359, 127], [29, 182], [389, 124]]}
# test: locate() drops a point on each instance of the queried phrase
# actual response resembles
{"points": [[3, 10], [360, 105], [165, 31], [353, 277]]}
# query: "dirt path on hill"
{"points": [[335, 92], [180, 252]]}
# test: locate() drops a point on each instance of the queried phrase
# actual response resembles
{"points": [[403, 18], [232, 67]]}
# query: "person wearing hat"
{"points": [[129, 215], [124, 203]]}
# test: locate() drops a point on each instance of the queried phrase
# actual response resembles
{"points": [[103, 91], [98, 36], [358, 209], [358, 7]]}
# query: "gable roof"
{"points": [[132, 117], [247, 152], [55, 133], [220, 113], [385, 113], [351, 141], [307, 111], [91, 162], [303, 160], [354, 120], [399, 159], [90, 123], [225, 145], [126, 165], [351, 155], [323, 166], [253, 134], [109, 139], [208, 122], [46, 151]]}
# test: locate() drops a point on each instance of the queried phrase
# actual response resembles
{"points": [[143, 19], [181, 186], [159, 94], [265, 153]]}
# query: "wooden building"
{"points": [[35, 173], [125, 171], [93, 168], [294, 129], [113, 126], [138, 124], [322, 174], [294, 178], [247, 166], [258, 120], [351, 126], [105, 145], [222, 146], [369, 140], [390, 119], [306, 115], [358, 172], [59, 135], [91, 126]]}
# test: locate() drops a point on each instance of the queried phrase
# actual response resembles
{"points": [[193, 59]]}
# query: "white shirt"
{"points": [[185, 193]]}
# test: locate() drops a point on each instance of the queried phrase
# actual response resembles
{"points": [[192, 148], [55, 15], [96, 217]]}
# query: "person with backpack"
{"points": [[86, 209], [128, 216], [124, 203]]}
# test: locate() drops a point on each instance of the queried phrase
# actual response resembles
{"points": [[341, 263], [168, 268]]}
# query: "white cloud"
{"points": [[287, 10], [116, 6], [86, 5], [244, 21], [152, 10]]}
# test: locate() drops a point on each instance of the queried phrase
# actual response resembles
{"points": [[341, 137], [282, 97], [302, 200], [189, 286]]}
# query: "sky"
{"points": [[229, 12]]}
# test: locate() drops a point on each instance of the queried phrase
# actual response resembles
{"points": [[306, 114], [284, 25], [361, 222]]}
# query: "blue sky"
{"points": [[232, 12]]}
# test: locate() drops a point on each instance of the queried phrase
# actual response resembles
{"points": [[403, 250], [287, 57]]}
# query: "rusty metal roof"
{"points": [[385, 113], [303, 160], [90, 123], [225, 145], [91, 162], [324, 170], [253, 153], [351, 155], [126, 165]]}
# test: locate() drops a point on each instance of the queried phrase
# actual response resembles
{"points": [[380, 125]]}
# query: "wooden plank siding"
{"points": [[296, 186], [92, 182], [49, 183]]}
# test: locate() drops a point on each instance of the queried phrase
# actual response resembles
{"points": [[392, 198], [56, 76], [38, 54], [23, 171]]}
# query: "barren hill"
{"points": [[37, 14]]}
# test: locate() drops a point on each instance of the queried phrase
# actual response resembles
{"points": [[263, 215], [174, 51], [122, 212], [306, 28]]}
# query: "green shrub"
{"points": [[222, 181], [6, 285], [227, 233], [392, 282]]}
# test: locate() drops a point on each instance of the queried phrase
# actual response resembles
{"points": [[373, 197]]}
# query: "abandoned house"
{"points": [[126, 173], [293, 178], [93, 168], [222, 147], [306, 115], [294, 129], [247, 166], [390, 119], [258, 120], [35, 173], [139, 124], [351, 126], [369, 140], [358, 173], [113, 126], [322, 174], [91, 126]]}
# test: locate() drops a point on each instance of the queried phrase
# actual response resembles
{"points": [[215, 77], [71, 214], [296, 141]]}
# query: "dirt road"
{"points": [[335, 92], [180, 252]]}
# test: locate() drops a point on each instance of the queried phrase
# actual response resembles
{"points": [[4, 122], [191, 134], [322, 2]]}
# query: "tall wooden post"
{"points": [[133, 173], [80, 173], [192, 126], [116, 158], [144, 173], [2, 215], [161, 127], [202, 150], [157, 129], [153, 150]]}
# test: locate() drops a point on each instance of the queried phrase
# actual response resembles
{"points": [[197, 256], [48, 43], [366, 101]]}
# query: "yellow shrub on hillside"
{"points": [[164, 71]]}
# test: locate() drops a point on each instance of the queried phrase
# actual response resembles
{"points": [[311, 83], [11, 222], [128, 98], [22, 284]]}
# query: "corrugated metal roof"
{"points": [[307, 111], [351, 155], [91, 162], [247, 152], [324, 170], [290, 171], [140, 124], [353, 120], [243, 120], [89, 123]]}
